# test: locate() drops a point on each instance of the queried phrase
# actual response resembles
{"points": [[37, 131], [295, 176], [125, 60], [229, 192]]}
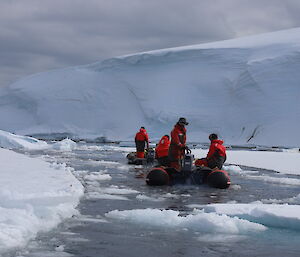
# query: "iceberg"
{"points": [[245, 89]]}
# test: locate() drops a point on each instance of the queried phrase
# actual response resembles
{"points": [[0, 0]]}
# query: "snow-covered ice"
{"points": [[35, 196], [12, 141], [277, 180], [98, 176], [283, 162], [271, 215], [64, 145], [250, 85], [199, 222], [217, 218]]}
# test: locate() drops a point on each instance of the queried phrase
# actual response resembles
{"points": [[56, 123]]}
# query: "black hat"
{"points": [[213, 136], [182, 121]]}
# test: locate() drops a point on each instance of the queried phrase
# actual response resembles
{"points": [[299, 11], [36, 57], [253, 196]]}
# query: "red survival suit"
{"points": [[177, 146], [216, 155], [141, 139], [162, 151]]}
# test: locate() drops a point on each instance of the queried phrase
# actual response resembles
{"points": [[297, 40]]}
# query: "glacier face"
{"points": [[245, 89]]}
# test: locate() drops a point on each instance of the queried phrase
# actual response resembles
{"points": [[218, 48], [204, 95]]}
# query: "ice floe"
{"points": [[197, 222]]}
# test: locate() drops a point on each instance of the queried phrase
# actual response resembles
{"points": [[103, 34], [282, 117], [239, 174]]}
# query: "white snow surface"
{"points": [[11, 141], [198, 222], [34, 196], [283, 162], [246, 88], [235, 219], [271, 215], [64, 145], [97, 176]]}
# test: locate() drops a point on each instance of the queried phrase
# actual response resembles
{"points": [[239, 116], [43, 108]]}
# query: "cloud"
{"points": [[41, 35]]}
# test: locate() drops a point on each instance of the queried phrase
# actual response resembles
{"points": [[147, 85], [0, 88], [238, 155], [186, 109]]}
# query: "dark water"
{"points": [[91, 234]]}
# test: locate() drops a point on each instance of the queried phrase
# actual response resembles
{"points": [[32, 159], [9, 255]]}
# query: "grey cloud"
{"points": [[41, 35]]}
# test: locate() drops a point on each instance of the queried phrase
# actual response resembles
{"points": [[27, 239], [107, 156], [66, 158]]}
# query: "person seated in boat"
{"points": [[162, 149], [141, 140], [216, 155]]}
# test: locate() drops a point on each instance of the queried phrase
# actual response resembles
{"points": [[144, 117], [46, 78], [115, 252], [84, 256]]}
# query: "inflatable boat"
{"points": [[190, 174], [149, 158]]}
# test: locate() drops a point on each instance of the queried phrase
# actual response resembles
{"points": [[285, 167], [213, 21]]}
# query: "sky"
{"points": [[41, 35]]}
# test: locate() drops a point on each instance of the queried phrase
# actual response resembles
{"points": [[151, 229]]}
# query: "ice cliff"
{"points": [[245, 89]]}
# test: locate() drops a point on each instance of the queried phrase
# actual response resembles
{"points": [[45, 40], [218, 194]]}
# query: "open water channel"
{"points": [[93, 234]]}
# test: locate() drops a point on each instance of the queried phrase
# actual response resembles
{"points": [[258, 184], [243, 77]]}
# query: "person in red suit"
{"points": [[162, 150], [141, 140], [178, 144], [216, 155]]}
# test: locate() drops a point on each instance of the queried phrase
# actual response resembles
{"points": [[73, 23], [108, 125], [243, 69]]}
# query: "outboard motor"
{"points": [[187, 163], [150, 155]]}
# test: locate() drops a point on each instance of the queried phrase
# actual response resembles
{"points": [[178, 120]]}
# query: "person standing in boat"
{"points": [[178, 144], [141, 140]]}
